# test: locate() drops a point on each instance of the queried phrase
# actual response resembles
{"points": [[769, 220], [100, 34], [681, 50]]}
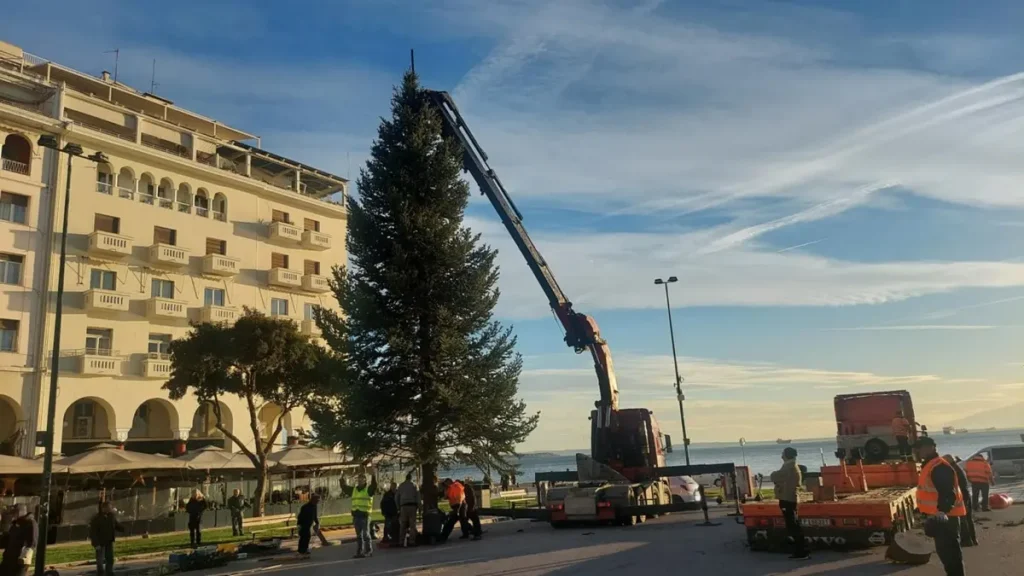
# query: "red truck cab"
{"points": [[864, 425]]}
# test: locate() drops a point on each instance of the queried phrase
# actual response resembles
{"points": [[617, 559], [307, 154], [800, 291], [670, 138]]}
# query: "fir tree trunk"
{"points": [[429, 488]]}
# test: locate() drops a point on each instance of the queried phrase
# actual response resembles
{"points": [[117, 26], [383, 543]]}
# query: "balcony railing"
{"points": [[146, 198], [285, 231], [223, 217], [217, 314], [105, 188], [127, 193], [109, 244], [315, 283], [166, 202], [202, 212], [96, 361], [284, 277], [12, 165], [219, 265], [184, 207], [167, 148], [156, 365], [316, 240], [168, 255], [165, 308], [106, 301]]}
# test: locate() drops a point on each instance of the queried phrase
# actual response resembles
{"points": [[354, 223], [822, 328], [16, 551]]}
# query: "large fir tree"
{"points": [[423, 370]]}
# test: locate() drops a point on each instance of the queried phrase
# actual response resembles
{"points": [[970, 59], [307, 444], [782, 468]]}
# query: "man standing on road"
{"points": [[901, 430], [472, 515], [236, 504], [787, 481], [19, 543], [940, 499], [968, 535], [979, 472], [102, 533], [306, 520], [389, 509], [362, 505], [408, 499]]}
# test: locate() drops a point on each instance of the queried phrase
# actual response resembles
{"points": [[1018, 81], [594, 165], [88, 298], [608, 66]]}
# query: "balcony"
{"points": [[218, 314], [315, 283], [284, 277], [156, 365], [309, 328], [167, 255], [15, 166], [108, 244], [316, 240], [219, 265], [97, 362], [285, 232], [97, 300], [166, 309]]}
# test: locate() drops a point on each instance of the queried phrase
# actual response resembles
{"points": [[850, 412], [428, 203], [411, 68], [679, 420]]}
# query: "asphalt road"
{"points": [[667, 545]]}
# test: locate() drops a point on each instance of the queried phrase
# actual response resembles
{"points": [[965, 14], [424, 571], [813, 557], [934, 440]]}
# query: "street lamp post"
{"points": [[675, 363], [72, 150]]}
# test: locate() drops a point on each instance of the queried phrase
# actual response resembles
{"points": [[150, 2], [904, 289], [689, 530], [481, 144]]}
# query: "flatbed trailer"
{"points": [[847, 513]]}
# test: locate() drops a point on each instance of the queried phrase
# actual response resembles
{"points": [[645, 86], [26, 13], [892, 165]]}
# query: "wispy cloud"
{"points": [[798, 246], [913, 327]]}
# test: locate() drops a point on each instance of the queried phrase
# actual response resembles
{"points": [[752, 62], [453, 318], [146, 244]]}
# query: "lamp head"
{"points": [[99, 158], [47, 141], [659, 281], [672, 279], [73, 149]]}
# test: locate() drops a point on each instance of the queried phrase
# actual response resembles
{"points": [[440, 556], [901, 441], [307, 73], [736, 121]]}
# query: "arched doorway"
{"points": [[154, 426], [204, 430], [12, 426], [269, 414], [16, 154], [87, 422]]}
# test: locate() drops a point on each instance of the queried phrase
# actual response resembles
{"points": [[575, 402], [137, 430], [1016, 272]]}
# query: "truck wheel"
{"points": [[875, 451], [641, 519], [627, 521]]}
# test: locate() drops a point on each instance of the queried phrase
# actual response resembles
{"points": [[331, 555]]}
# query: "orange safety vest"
{"points": [[979, 471], [900, 427], [928, 495], [456, 493]]}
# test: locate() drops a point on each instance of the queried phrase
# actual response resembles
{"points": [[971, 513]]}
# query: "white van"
{"points": [[1007, 460]]}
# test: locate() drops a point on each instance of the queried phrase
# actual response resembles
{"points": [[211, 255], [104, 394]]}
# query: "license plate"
{"points": [[815, 522]]}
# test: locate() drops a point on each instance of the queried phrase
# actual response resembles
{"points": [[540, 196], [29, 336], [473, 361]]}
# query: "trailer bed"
{"points": [[857, 520]]}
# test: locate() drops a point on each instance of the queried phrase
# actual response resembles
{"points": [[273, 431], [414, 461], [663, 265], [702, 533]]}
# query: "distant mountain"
{"points": [[1011, 416]]}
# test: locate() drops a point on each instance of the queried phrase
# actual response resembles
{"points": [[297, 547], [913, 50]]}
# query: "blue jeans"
{"points": [[364, 542]]}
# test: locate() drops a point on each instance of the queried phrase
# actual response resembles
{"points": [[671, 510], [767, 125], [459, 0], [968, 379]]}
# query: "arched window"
{"points": [[165, 193], [184, 198], [126, 184], [202, 202], [104, 180], [220, 207], [147, 189], [16, 154]]}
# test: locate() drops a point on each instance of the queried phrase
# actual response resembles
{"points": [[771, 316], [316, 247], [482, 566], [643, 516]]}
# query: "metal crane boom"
{"points": [[581, 331]]}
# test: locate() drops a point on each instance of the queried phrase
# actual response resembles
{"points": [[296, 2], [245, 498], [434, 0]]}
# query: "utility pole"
{"points": [[675, 364]]}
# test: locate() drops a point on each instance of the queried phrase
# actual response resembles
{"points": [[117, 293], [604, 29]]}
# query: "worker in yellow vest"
{"points": [[979, 472], [362, 505], [940, 499]]}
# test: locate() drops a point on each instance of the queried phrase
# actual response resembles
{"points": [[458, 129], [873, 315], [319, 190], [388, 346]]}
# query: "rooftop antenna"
{"points": [[412, 60], [117, 57], [152, 82]]}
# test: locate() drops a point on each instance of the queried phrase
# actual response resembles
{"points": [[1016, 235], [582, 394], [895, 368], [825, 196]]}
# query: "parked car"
{"points": [[1007, 460], [685, 490]]}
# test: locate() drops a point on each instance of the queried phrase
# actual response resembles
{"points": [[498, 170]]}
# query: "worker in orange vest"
{"points": [[940, 499], [979, 472], [901, 430], [455, 492]]}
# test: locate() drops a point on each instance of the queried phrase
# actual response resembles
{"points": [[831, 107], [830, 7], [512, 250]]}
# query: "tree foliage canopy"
{"points": [[259, 359], [421, 369]]}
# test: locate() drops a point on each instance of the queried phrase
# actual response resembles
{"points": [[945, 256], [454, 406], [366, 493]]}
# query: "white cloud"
{"points": [[616, 271], [725, 399]]}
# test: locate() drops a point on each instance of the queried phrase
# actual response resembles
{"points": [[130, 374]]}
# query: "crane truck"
{"points": [[625, 478]]}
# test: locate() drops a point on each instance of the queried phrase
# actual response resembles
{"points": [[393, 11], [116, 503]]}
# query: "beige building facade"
{"points": [[188, 220]]}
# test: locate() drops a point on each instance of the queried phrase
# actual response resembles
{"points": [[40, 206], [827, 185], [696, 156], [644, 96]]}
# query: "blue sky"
{"points": [[839, 192]]}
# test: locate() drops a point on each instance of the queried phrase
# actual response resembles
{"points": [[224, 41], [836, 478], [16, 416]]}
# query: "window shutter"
{"points": [[279, 216], [310, 224], [278, 260], [216, 246], [14, 199], [104, 223], [311, 267], [164, 236]]}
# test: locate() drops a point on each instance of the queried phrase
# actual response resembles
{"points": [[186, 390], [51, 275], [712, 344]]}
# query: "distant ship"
{"points": [[961, 430], [948, 430], [781, 441]]}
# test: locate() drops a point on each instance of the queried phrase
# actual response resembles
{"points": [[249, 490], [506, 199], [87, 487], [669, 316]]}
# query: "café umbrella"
{"points": [[212, 458]]}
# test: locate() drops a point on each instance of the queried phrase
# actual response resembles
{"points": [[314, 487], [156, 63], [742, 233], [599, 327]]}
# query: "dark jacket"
{"points": [[236, 504], [21, 535], [195, 509], [943, 478], [408, 494], [388, 504], [308, 516], [470, 497], [102, 529], [961, 478]]}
